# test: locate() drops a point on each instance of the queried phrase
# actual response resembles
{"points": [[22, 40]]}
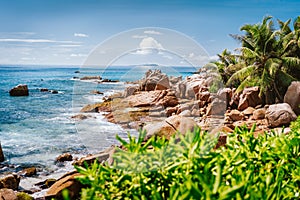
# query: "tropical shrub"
{"points": [[188, 167]]}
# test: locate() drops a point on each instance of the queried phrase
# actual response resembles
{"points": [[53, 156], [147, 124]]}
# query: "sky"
{"points": [[67, 32]]}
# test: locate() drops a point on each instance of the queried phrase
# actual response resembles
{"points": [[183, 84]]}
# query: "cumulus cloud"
{"points": [[149, 45], [152, 32], [81, 35]]}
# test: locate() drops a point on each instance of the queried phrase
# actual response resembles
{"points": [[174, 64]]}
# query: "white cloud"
{"points": [[78, 55], [214, 58], [36, 41], [81, 35], [150, 42], [152, 32], [139, 36], [149, 45], [191, 55]]}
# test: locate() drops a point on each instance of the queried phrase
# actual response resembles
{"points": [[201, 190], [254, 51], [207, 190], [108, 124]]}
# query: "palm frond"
{"points": [[241, 74], [248, 53], [293, 62]]}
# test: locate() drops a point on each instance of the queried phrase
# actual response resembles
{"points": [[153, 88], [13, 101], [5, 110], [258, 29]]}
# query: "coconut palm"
{"points": [[267, 58]]}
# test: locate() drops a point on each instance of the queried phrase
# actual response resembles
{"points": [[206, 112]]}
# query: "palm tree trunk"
{"points": [[278, 95]]}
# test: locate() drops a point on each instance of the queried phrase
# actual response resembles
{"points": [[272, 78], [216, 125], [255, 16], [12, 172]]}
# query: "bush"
{"points": [[188, 167]]}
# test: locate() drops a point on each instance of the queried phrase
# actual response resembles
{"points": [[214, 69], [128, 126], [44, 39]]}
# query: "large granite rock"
{"points": [[259, 113], [10, 181], [164, 98], [236, 115], [170, 126], [292, 96], [217, 107], [69, 182], [249, 97], [280, 114], [19, 90], [130, 90], [7, 194], [225, 94], [154, 80]]}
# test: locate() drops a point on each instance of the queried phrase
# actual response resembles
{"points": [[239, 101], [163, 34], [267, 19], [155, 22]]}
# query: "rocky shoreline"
{"points": [[162, 106]]}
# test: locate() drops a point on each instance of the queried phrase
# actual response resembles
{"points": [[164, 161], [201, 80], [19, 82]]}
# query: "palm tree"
{"points": [[267, 58]]}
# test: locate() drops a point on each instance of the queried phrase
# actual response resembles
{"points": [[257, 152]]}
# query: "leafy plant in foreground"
{"points": [[187, 167]]}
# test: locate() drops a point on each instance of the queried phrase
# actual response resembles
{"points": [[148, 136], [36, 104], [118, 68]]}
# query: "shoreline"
{"points": [[155, 99]]}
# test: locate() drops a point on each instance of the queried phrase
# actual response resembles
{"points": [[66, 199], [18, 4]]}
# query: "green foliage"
{"points": [[188, 167], [267, 58]]}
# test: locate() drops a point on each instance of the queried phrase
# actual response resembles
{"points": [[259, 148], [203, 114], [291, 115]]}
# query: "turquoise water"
{"points": [[38, 128]]}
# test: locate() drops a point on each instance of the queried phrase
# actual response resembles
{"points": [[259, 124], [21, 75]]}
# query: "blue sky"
{"points": [[60, 32]]}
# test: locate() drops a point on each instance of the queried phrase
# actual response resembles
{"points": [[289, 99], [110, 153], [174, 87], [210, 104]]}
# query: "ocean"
{"points": [[35, 129]]}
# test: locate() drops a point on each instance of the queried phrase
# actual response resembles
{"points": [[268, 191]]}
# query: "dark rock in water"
{"points": [[76, 72], [96, 92], [54, 91], [91, 78], [2, 158], [292, 96], [19, 90], [28, 172], [108, 81], [44, 90], [75, 77], [64, 157], [80, 117], [69, 182], [7, 194], [46, 183], [10, 181]]}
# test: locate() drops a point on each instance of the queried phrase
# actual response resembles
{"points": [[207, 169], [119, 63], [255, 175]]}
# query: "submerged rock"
{"points": [[64, 157], [19, 90], [96, 92], [28, 172], [280, 114], [91, 78]]}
